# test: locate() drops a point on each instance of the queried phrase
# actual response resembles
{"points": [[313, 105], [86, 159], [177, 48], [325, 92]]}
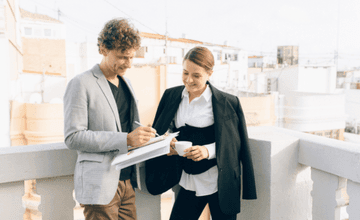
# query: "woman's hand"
{"points": [[196, 153], [172, 148]]}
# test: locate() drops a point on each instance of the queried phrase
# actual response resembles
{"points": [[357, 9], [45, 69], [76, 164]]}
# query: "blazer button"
{"points": [[220, 170]]}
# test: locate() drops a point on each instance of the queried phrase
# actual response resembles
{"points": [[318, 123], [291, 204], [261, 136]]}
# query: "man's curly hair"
{"points": [[119, 34]]}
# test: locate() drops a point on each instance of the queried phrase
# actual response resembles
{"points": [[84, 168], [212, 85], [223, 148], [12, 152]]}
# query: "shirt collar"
{"points": [[206, 94]]}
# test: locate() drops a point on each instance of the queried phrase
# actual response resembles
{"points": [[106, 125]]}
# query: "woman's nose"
{"points": [[189, 79]]}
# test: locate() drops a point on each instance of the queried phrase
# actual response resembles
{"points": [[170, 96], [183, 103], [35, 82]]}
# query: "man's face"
{"points": [[117, 62]]}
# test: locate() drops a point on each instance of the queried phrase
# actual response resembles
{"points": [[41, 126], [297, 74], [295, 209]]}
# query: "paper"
{"points": [[152, 140], [146, 152]]}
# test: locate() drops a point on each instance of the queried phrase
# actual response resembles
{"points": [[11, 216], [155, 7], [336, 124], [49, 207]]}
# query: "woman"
{"points": [[210, 170]]}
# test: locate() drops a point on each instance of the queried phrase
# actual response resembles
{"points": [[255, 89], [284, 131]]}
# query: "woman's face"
{"points": [[194, 78]]}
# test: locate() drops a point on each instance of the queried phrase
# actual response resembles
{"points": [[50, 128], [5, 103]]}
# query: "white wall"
{"points": [[287, 79], [317, 79], [314, 111], [352, 103]]}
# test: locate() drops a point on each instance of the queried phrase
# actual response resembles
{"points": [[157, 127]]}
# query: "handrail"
{"points": [[52, 160]]}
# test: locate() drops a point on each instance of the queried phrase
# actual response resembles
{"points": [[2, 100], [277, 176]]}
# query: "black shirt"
{"points": [[122, 97]]}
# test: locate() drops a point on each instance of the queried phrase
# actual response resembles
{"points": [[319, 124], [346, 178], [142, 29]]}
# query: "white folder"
{"points": [[159, 146]]}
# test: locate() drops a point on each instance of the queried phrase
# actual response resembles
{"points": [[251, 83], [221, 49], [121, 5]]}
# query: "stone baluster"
{"points": [[10, 200], [353, 189], [57, 201], [324, 194], [342, 199]]}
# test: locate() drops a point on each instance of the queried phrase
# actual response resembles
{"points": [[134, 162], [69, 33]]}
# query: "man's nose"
{"points": [[128, 63]]}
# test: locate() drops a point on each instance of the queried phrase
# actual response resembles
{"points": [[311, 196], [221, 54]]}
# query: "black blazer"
{"points": [[232, 147]]}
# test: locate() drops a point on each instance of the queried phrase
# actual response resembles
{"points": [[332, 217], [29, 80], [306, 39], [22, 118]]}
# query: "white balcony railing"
{"points": [[52, 165], [299, 176]]}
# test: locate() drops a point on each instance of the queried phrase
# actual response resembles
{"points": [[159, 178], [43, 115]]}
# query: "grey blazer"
{"points": [[92, 127]]}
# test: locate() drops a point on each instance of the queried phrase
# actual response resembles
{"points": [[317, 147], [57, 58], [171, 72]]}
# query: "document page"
{"points": [[137, 155]]}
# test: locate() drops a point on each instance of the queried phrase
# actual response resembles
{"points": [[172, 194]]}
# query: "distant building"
{"points": [[11, 62], [349, 79], [43, 44], [230, 70], [304, 78], [41, 75], [307, 99], [260, 61], [288, 55]]}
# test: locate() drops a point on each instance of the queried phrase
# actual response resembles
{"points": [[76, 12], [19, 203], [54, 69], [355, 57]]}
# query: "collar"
{"points": [[206, 94]]}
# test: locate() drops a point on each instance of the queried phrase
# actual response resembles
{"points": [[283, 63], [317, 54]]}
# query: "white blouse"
{"points": [[198, 113]]}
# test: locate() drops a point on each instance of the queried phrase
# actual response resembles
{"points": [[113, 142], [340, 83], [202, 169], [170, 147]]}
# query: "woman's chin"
{"points": [[191, 88]]}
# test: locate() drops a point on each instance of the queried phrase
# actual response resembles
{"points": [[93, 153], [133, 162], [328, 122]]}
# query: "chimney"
{"points": [[184, 36], [226, 43]]}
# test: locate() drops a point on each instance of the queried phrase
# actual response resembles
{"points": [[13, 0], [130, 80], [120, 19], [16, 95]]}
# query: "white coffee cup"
{"points": [[180, 146]]}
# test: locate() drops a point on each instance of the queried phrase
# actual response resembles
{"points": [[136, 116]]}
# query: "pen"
{"points": [[138, 123]]}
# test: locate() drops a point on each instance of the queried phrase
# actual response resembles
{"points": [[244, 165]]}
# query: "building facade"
{"points": [[288, 55], [44, 44], [11, 60], [260, 61]]}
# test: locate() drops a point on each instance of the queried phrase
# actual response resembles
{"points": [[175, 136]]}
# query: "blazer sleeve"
{"points": [[249, 187], [161, 106], [76, 132], [163, 172]]}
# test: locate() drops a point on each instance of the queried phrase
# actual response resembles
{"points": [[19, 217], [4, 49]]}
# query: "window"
{"points": [[164, 50], [47, 32], [28, 31], [234, 57]]}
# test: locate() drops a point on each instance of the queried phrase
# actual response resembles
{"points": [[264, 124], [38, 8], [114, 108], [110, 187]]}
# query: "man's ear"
{"points": [[103, 50], [210, 72]]}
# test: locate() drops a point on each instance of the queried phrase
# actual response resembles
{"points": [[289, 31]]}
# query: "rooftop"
{"points": [[182, 40], [38, 17]]}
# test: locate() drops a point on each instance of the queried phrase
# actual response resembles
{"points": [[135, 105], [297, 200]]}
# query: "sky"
{"points": [[318, 27]]}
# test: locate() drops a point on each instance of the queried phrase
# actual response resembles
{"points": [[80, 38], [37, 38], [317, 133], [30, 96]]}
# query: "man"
{"points": [[100, 111]]}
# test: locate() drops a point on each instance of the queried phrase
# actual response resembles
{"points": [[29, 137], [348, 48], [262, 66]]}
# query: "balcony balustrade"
{"points": [[299, 176]]}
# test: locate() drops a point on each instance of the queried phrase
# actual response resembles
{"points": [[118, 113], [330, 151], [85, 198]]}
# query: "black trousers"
{"points": [[189, 207]]}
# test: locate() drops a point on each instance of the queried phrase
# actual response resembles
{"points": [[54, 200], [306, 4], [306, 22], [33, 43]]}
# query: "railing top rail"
{"points": [[333, 156], [35, 162]]}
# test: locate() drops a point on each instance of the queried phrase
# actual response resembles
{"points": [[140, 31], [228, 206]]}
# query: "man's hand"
{"points": [[172, 148], [140, 136], [196, 153]]}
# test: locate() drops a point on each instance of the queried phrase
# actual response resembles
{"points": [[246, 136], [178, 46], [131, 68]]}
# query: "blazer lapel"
{"points": [[220, 110], [105, 88], [168, 113]]}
